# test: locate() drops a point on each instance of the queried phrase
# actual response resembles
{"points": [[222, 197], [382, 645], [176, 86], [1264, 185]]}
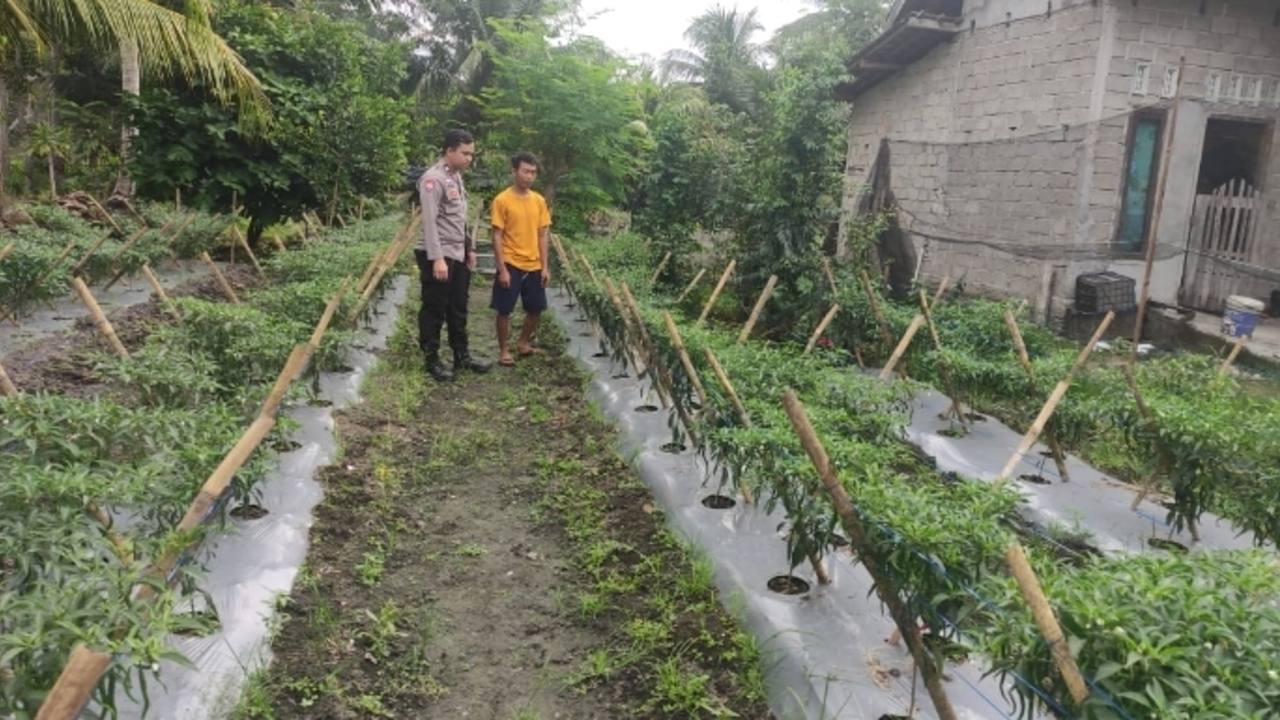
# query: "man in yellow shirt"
{"points": [[521, 225]]}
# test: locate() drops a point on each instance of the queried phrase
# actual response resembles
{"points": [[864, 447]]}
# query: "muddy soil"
{"points": [[483, 552], [63, 362]]}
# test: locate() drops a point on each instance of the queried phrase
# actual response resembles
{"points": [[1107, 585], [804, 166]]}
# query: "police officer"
{"points": [[446, 258]]}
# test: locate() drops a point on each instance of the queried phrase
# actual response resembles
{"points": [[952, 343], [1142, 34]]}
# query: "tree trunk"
{"points": [[4, 142], [131, 84], [53, 179]]}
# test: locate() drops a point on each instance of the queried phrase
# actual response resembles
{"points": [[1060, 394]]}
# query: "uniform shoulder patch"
{"points": [[430, 184]]}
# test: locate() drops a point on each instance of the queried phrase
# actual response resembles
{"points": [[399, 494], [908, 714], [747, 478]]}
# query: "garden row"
{"points": [[1156, 635], [1209, 440], [105, 498]]}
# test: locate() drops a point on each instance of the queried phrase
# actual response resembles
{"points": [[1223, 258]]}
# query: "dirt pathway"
{"points": [[482, 552]]}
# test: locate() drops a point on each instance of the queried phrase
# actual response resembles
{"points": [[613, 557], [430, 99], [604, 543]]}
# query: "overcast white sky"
{"points": [[652, 27]]}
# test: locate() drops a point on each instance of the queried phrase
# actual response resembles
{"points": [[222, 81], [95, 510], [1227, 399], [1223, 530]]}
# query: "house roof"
{"points": [[907, 39]]}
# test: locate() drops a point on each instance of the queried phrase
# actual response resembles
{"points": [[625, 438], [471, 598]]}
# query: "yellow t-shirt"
{"points": [[520, 218]]}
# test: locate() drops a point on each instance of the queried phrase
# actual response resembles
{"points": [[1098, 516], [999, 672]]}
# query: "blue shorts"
{"points": [[525, 285]]}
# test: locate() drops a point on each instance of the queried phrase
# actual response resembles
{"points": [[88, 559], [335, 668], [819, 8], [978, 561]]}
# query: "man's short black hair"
{"points": [[456, 138], [524, 158]]}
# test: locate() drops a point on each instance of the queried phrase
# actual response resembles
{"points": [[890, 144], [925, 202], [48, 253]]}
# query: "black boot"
{"points": [[466, 361], [437, 369]]}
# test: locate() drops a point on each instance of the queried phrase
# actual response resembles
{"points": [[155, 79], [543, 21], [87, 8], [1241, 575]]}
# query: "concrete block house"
{"points": [[1023, 142]]}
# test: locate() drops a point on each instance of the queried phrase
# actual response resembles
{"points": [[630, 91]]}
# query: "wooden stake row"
{"points": [[85, 666]]}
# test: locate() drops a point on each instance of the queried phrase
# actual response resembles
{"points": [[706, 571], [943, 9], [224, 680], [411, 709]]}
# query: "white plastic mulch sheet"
{"points": [[256, 560]]}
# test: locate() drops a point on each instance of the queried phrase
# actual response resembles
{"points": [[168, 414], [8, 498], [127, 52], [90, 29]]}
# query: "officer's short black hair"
{"points": [[456, 138], [524, 158]]}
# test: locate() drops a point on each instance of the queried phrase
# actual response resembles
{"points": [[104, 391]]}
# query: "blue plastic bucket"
{"points": [[1241, 316]]}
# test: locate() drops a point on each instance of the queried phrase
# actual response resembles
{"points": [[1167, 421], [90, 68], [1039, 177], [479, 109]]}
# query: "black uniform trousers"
{"points": [[443, 303]]}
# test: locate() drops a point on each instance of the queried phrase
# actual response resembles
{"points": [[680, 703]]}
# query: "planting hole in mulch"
{"points": [[321, 402], [249, 511], [1034, 479], [646, 408], [788, 585], [284, 445], [839, 541], [342, 369], [957, 431], [1170, 545], [584, 334], [205, 623], [719, 502], [620, 375], [674, 448], [600, 354], [890, 716], [975, 417], [1046, 453]]}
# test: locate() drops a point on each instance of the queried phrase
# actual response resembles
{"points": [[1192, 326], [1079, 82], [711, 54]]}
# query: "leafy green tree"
{"points": [[340, 125], [724, 57], [690, 181], [171, 43], [570, 104]]}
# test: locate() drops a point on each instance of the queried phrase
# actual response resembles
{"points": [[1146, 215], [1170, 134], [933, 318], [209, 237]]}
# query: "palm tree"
{"points": [[145, 33], [724, 59], [842, 26]]}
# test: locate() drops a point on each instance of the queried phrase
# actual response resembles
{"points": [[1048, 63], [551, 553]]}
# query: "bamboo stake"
{"points": [[883, 324], [1024, 359], [1231, 358], [115, 259], [207, 499], [97, 245], [628, 333], [6, 385], [275, 240], [222, 280], [943, 371], [692, 283], [942, 288], [901, 349], [711, 301], [822, 327], [1148, 417], [885, 586], [244, 243], [661, 266], [75, 684], [7, 251], [106, 214], [298, 359], [1046, 412], [158, 289], [689, 369], [661, 378], [360, 209], [326, 317], [99, 318], [759, 307], [397, 249], [1153, 230], [1029, 585], [118, 542], [718, 370], [831, 278], [590, 269]]}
